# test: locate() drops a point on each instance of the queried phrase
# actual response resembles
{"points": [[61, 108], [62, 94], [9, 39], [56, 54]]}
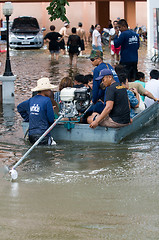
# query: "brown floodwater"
{"points": [[76, 190]]}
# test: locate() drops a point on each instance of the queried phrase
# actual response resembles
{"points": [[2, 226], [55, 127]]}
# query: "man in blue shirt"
{"points": [[96, 58], [98, 94], [129, 42], [38, 110]]}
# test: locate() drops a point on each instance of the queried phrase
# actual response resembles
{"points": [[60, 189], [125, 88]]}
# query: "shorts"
{"points": [[71, 54], [131, 70], [54, 51], [82, 45], [108, 122], [73, 50], [115, 50], [97, 107]]}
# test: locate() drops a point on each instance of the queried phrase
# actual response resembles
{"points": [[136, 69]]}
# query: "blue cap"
{"points": [[104, 72]]}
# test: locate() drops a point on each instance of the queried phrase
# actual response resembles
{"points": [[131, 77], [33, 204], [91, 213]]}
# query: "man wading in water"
{"points": [[82, 34], [38, 111], [63, 32]]}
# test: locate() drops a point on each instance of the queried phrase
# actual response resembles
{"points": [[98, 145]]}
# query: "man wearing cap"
{"points": [[63, 32], [38, 111], [116, 112], [96, 58], [98, 94]]}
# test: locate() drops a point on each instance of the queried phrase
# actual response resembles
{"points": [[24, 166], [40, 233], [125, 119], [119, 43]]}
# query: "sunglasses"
{"points": [[92, 59]]}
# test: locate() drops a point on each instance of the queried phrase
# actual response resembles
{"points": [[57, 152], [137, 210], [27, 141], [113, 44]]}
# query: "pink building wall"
{"points": [[117, 10], [141, 13], [77, 11]]}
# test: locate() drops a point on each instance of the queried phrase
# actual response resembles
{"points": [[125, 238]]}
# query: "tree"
{"points": [[57, 9]]}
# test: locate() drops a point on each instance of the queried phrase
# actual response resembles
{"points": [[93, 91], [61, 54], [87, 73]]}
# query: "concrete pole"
{"points": [[130, 13], [7, 89]]}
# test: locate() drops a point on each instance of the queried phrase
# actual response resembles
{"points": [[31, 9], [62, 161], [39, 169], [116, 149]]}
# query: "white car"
{"points": [[26, 33]]}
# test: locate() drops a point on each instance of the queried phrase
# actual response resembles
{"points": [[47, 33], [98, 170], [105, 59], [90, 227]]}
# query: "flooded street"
{"points": [[76, 190]]}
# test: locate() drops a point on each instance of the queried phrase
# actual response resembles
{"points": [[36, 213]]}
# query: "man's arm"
{"points": [[118, 40], [23, 109], [59, 36], [68, 42], [134, 103], [96, 85], [50, 112], [115, 76], [150, 95], [105, 112], [46, 39], [142, 91], [137, 96]]}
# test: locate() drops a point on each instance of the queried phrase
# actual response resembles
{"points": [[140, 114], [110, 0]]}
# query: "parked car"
{"points": [[26, 33]]}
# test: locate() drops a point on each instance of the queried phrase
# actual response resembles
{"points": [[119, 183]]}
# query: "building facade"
{"points": [[87, 12]]}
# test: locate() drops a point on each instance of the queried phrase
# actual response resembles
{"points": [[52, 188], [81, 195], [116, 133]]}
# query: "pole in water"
{"points": [[13, 172]]}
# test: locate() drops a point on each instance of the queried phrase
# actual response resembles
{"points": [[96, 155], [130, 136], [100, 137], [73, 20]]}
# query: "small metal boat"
{"points": [[77, 132]]}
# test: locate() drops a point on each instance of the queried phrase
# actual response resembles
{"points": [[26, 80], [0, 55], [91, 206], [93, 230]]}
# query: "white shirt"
{"points": [[112, 33], [153, 87], [96, 34]]}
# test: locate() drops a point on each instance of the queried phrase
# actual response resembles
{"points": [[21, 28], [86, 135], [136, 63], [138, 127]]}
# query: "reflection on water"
{"points": [[76, 190], [14, 189]]}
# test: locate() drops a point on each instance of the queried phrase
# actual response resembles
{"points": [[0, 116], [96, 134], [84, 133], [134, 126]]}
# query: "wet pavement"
{"points": [[76, 190]]}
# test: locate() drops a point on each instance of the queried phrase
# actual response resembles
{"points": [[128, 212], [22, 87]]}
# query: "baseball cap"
{"points": [[96, 54], [104, 72]]}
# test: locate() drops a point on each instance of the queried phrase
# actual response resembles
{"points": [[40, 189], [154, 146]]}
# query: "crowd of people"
{"points": [[117, 95], [75, 42]]}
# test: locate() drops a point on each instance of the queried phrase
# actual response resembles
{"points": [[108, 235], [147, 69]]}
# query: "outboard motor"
{"points": [[74, 101], [82, 97]]}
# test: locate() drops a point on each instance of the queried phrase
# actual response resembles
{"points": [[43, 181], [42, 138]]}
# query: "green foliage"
{"points": [[57, 10]]}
